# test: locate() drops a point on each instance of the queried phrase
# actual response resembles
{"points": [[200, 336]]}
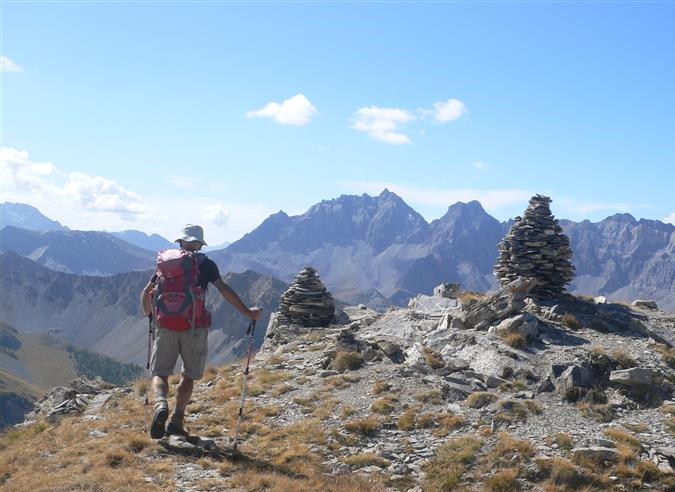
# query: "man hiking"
{"points": [[174, 297]]}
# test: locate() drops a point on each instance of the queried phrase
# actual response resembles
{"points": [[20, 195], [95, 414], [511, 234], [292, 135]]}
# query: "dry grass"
{"points": [[444, 472], [667, 354], [339, 382], [619, 436], [623, 359], [407, 419], [597, 412], [571, 321], [480, 399], [670, 424], [367, 426], [563, 475], [636, 427], [348, 411], [365, 459], [381, 387], [503, 481], [346, 361], [433, 358], [448, 422], [511, 410], [509, 451], [514, 339], [384, 405], [468, 296], [429, 396], [669, 409], [563, 440]]}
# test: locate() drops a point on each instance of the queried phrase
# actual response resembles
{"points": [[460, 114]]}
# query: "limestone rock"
{"points": [[449, 290], [636, 376], [644, 304]]}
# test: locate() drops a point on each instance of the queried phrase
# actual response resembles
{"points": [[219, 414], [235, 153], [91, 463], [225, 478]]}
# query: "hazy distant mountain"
{"points": [[82, 252], [26, 217], [103, 313], [31, 364], [153, 242], [363, 244], [624, 258]]}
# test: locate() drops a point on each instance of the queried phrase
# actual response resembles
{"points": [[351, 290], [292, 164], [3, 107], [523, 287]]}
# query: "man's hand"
{"points": [[255, 313]]}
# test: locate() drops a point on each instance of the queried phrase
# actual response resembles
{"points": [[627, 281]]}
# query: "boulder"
{"points": [[645, 304], [636, 376], [449, 290]]}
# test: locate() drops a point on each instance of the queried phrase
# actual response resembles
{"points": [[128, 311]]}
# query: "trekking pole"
{"points": [[249, 332], [147, 367], [147, 364]]}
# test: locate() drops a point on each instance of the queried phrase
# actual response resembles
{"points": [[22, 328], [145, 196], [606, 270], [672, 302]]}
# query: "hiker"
{"points": [[174, 297]]}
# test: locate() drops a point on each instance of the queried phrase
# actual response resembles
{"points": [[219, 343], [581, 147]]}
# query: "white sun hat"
{"points": [[192, 232]]}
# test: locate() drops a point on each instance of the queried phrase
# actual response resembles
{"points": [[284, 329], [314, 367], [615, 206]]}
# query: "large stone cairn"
{"points": [[306, 302], [536, 247]]}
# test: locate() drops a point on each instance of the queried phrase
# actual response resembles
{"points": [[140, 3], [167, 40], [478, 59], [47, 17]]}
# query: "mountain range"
{"points": [[379, 251], [367, 246], [103, 313]]}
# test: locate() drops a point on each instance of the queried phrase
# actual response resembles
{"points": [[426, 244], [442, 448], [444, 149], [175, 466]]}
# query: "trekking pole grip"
{"points": [[251, 328]]}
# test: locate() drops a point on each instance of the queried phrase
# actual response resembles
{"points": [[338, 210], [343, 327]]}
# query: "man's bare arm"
{"points": [[145, 299], [232, 297]]}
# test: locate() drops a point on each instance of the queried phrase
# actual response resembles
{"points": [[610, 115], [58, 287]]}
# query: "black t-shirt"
{"points": [[208, 273]]}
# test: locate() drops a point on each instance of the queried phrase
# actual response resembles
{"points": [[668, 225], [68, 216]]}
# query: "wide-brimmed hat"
{"points": [[192, 232]]}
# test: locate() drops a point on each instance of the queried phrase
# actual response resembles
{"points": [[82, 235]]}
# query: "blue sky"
{"points": [[147, 115]]}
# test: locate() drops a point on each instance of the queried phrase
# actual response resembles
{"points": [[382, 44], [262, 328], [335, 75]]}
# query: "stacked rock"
{"points": [[536, 247], [306, 302]]}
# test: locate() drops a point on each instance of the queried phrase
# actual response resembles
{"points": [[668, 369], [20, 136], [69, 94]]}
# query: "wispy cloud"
{"points": [[670, 219], [25, 180], [383, 124], [297, 110], [449, 110], [182, 181], [9, 65], [490, 199], [480, 165], [217, 215]]}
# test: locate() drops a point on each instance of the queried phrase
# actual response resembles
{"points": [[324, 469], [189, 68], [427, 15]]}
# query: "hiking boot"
{"points": [[176, 429], [158, 421]]}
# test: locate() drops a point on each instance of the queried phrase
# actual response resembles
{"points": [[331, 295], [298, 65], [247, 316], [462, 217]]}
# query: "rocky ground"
{"points": [[458, 391]]}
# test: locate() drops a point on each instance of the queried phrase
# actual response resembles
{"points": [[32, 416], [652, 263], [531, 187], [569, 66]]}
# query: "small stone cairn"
{"points": [[307, 302], [536, 247]]}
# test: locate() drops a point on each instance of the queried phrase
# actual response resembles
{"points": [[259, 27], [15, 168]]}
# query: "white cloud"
{"points": [[449, 110], [479, 165], [9, 65], [217, 214], [181, 181], [490, 199], [27, 181], [297, 110], [670, 219], [383, 123]]}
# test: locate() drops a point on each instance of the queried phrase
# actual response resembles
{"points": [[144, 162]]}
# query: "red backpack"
{"points": [[178, 301]]}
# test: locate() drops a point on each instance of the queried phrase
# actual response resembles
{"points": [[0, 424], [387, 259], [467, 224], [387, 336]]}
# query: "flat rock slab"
{"points": [[195, 446]]}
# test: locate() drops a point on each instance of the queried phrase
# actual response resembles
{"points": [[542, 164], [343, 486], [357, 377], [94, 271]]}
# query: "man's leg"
{"points": [[183, 395], [193, 350], [164, 355]]}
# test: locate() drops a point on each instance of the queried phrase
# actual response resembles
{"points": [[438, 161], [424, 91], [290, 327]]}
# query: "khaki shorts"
{"points": [[191, 345]]}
